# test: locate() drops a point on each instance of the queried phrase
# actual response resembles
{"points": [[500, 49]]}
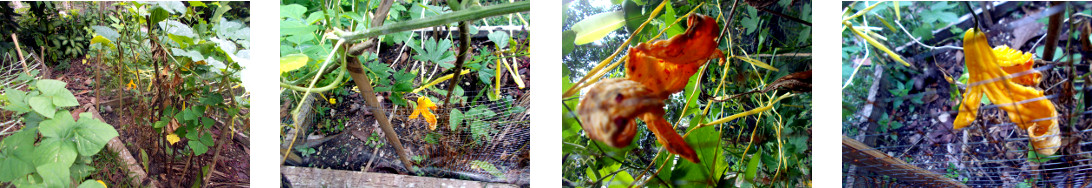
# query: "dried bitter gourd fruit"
{"points": [[1026, 106], [655, 71]]}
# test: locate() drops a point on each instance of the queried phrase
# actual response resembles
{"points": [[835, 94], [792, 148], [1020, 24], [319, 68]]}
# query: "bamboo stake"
{"points": [[26, 69]]}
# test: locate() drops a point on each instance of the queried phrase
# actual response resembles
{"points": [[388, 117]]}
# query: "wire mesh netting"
{"points": [[11, 68]]}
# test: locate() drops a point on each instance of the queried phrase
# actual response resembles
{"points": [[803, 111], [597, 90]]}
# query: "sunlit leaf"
{"points": [[106, 32], [292, 11], [597, 26], [99, 39], [293, 62]]}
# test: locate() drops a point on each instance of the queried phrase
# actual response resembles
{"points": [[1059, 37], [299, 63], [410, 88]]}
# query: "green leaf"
{"points": [[174, 7], [456, 118], [54, 175], [488, 167], [207, 140], [668, 17], [159, 14], [752, 165], [1036, 157], [198, 147], [107, 32], [438, 52], [91, 135], [207, 122], [213, 99], [55, 90], [567, 42], [81, 170], [403, 81], [751, 21], [56, 151], [12, 167], [91, 184], [597, 26], [314, 17], [99, 39], [292, 11], [17, 101], [292, 62], [196, 4], [499, 38], [58, 127], [43, 105]]}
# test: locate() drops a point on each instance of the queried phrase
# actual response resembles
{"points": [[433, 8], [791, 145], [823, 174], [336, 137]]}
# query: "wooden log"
{"points": [[869, 159], [314, 177]]}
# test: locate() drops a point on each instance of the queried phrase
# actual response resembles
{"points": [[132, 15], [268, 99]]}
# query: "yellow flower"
{"points": [[423, 106], [172, 138], [131, 85], [333, 100]]}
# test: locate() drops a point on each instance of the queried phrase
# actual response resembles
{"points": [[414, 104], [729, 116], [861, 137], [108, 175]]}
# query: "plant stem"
{"points": [[337, 82], [457, 16], [464, 37]]}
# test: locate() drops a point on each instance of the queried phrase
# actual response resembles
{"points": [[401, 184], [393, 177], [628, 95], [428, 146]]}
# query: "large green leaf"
{"points": [[91, 134], [107, 32], [56, 151], [174, 7], [99, 39], [12, 167], [292, 62], [292, 11], [43, 105], [54, 175], [159, 14], [55, 90], [177, 28], [597, 26], [17, 101], [58, 127], [198, 147]]}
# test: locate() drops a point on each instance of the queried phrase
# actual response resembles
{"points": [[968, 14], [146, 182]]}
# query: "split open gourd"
{"points": [[990, 73], [655, 71]]}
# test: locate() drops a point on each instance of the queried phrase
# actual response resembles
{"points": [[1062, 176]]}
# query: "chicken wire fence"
{"points": [[491, 143], [992, 158], [11, 68]]}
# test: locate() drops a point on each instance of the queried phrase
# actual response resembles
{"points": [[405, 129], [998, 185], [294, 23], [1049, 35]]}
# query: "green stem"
{"points": [[337, 82], [457, 16]]}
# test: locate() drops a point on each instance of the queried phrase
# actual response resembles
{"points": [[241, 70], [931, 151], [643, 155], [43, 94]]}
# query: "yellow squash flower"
{"points": [[1025, 105], [423, 106], [172, 138], [131, 86]]}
